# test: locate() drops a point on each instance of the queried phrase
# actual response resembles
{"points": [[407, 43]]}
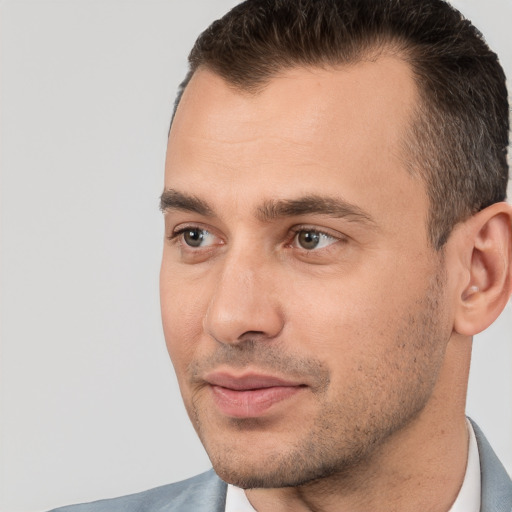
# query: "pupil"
{"points": [[309, 239], [193, 237]]}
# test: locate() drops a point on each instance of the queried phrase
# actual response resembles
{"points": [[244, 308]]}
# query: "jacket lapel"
{"points": [[496, 484]]}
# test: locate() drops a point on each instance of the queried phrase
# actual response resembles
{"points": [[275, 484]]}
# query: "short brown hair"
{"points": [[460, 131]]}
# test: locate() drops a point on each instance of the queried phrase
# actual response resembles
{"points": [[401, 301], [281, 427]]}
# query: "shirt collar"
{"points": [[470, 494]]}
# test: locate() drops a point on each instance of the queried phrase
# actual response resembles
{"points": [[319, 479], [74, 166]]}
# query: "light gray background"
{"points": [[88, 401]]}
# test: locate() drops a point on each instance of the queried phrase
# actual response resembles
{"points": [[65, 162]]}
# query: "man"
{"points": [[336, 233]]}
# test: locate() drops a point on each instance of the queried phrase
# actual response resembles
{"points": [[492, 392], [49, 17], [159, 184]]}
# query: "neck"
{"points": [[420, 467]]}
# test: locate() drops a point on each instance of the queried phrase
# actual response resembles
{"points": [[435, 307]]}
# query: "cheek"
{"points": [[182, 315], [356, 323], [340, 309]]}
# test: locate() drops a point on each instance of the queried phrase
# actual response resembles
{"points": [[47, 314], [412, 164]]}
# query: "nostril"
{"points": [[246, 341], [252, 334]]}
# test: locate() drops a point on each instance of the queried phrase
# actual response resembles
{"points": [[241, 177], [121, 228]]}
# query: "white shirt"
{"points": [[236, 500], [470, 494], [468, 499]]}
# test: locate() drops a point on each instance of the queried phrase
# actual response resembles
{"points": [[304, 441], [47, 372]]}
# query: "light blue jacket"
{"points": [[207, 492]]}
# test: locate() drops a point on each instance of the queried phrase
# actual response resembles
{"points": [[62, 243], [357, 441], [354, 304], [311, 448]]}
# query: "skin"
{"points": [[363, 322]]}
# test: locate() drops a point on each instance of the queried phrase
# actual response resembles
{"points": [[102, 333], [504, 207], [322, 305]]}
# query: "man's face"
{"points": [[302, 306]]}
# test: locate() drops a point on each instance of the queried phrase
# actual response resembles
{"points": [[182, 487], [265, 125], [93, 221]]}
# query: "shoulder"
{"points": [[496, 483], [202, 493]]}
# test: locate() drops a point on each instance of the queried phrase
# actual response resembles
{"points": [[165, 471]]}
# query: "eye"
{"points": [[311, 239], [195, 237]]}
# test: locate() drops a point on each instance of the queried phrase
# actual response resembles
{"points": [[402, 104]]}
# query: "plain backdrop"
{"points": [[88, 401]]}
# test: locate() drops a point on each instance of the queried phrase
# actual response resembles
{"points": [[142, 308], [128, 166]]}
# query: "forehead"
{"points": [[379, 86], [309, 130]]}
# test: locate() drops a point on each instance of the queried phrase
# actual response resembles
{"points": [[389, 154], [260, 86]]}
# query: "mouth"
{"points": [[250, 395]]}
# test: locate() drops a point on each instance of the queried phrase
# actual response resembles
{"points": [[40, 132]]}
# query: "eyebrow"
{"points": [[313, 205], [174, 200], [273, 209]]}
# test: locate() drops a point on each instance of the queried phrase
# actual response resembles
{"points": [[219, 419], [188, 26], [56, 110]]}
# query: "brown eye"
{"points": [[308, 239], [194, 237], [311, 239]]}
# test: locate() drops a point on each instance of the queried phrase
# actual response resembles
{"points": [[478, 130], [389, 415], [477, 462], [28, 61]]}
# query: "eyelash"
{"points": [[177, 234], [295, 231], [177, 237]]}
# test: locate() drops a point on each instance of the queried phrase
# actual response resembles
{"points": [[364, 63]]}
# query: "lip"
{"points": [[250, 395]]}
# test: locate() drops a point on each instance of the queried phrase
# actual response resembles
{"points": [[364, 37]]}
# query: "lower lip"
{"points": [[250, 403]]}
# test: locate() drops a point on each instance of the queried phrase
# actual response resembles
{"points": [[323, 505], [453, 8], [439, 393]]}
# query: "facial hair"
{"points": [[383, 398]]}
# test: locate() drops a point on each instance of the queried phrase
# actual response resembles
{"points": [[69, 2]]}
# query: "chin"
{"points": [[253, 465], [285, 472]]}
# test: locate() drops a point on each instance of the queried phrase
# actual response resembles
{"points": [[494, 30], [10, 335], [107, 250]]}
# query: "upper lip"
{"points": [[248, 381]]}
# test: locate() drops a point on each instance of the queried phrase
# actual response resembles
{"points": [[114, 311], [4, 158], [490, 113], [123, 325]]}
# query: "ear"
{"points": [[487, 284]]}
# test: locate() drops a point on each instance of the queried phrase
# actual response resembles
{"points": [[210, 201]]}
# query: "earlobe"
{"points": [[489, 260]]}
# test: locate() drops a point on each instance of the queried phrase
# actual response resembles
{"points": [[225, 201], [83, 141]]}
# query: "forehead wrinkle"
{"points": [[312, 204], [174, 200]]}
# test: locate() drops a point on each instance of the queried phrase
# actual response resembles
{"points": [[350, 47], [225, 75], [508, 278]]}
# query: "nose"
{"points": [[244, 303]]}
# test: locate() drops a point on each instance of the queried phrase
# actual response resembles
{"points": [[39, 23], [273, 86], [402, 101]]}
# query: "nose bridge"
{"points": [[243, 299]]}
